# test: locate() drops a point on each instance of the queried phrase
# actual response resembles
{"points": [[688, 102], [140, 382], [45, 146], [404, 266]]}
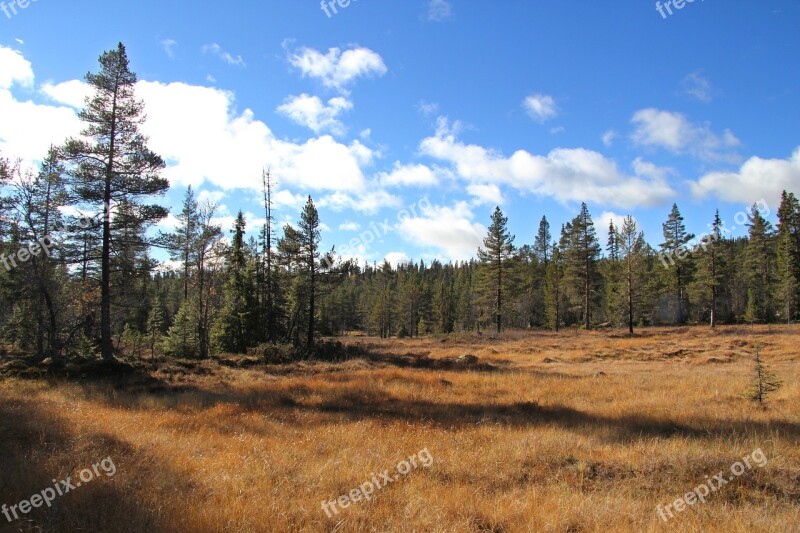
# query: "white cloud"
{"points": [[286, 198], [605, 219], [349, 226], [169, 45], [439, 10], [72, 93], [646, 169], [565, 174], [27, 129], [697, 86], [409, 175], [677, 134], [14, 68], [192, 142], [756, 179], [447, 230], [486, 194], [313, 113], [608, 137], [227, 57], [397, 258], [540, 107], [338, 69], [367, 202], [428, 109]]}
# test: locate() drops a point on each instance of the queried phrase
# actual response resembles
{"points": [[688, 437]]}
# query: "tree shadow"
{"points": [[34, 437]]}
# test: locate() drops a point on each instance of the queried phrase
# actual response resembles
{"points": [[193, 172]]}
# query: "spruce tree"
{"points": [[758, 265], [788, 256], [675, 256], [632, 252]]}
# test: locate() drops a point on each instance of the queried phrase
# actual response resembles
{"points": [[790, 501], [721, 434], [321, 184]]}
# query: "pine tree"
{"points": [[674, 255], [553, 293], [581, 255], [111, 163], [496, 257]]}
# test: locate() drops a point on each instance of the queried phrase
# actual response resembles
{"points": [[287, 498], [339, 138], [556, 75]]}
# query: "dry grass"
{"points": [[568, 432]]}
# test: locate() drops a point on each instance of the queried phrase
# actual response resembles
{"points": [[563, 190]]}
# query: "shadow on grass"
{"points": [[38, 447]]}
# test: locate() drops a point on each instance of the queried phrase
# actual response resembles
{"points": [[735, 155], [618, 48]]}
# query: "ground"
{"points": [[576, 431]]}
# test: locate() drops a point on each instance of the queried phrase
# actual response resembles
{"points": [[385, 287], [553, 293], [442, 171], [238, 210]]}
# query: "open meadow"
{"points": [[538, 431]]}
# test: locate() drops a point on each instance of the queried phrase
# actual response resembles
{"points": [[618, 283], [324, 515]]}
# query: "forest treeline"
{"points": [[78, 277]]}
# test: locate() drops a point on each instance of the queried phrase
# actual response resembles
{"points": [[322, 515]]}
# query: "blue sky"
{"points": [[450, 106]]}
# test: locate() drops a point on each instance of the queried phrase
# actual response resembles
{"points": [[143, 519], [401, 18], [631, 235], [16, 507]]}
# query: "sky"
{"points": [[408, 121]]}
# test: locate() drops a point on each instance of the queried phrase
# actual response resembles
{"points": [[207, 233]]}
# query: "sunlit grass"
{"points": [[570, 432]]}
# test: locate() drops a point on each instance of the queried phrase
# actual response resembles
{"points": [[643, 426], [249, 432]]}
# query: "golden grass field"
{"points": [[569, 432]]}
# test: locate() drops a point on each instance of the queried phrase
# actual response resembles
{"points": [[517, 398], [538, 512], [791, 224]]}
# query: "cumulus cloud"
{"points": [[28, 129], [397, 258], [756, 179], [220, 146], [72, 93], [313, 113], [540, 107], [338, 69], [486, 194], [449, 231], [565, 174], [415, 175], [15, 69], [675, 133]]}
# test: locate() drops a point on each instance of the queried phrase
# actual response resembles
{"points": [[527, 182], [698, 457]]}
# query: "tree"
{"points": [[758, 265], [237, 320], [208, 253], [788, 255], [111, 163], [37, 200], [553, 294], [496, 256], [764, 381], [710, 268], [581, 255], [632, 252], [269, 290], [674, 254], [155, 324]]}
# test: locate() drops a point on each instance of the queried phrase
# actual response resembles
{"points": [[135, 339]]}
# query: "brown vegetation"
{"points": [[578, 431]]}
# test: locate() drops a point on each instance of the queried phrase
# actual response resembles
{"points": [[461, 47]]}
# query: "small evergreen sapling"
{"points": [[764, 381]]}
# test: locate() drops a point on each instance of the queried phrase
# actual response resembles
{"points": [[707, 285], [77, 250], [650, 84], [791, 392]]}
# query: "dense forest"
{"points": [[77, 240]]}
